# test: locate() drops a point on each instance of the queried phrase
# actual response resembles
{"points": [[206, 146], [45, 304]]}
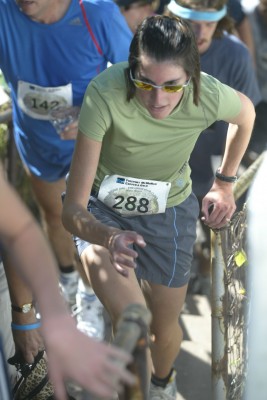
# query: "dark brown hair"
{"points": [[164, 38]]}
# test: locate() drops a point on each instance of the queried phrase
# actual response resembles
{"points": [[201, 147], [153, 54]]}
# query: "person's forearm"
{"points": [[19, 292], [238, 137], [81, 223], [33, 258], [236, 145]]}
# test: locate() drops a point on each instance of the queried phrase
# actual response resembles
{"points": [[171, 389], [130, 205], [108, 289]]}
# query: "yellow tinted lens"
{"points": [[172, 89], [142, 85]]}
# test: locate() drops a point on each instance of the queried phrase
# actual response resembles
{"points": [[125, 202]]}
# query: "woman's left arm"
{"points": [[218, 205]]}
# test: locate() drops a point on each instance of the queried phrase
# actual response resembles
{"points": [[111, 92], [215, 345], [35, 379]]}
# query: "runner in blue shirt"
{"points": [[49, 52]]}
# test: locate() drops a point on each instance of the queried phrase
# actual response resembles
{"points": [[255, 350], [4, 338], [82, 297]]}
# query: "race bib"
{"points": [[131, 196], [37, 101]]}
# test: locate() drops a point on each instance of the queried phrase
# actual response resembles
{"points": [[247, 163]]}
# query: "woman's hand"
{"points": [[218, 205], [121, 255]]}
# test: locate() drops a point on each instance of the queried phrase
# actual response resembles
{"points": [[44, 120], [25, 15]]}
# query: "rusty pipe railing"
{"points": [[219, 296]]}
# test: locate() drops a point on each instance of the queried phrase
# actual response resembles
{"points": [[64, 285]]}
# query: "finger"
{"points": [[29, 356], [72, 126], [129, 253], [221, 223], [116, 377], [121, 270], [30, 353], [127, 377], [111, 382], [140, 241], [57, 380], [68, 135], [125, 261], [117, 363]]}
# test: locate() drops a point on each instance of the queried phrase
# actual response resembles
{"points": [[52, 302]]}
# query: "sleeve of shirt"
{"points": [[229, 102], [94, 118]]}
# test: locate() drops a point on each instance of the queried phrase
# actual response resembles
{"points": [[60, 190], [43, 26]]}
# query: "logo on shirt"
{"points": [[75, 21]]}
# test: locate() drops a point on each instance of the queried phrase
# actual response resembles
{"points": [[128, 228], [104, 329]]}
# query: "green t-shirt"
{"points": [[139, 146]]}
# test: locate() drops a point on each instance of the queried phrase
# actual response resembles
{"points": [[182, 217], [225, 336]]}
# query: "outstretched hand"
{"points": [[95, 366], [121, 255]]}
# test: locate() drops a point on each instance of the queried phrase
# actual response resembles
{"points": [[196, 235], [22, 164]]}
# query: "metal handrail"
{"points": [[132, 336], [245, 179], [218, 296]]}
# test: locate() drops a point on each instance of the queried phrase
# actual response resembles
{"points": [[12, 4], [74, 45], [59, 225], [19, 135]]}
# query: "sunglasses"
{"points": [[149, 86]]}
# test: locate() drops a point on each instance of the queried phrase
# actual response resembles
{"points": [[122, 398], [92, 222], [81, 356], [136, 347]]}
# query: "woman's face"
{"points": [[159, 103]]}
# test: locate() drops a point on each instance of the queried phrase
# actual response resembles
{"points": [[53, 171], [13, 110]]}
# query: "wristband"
{"points": [[27, 327], [224, 178]]}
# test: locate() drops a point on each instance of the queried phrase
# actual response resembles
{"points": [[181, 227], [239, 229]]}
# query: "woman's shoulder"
{"points": [[213, 90], [111, 78], [108, 89], [208, 82]]}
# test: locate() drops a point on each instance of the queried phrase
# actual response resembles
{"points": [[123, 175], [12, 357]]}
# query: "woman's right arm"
{"points": [[83, 224], [75, 216]]}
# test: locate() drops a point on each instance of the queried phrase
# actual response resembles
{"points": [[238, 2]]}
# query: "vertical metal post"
{"points": [[219, 331]]}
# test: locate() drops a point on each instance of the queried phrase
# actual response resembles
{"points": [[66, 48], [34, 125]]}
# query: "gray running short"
{"points": [[169, 238]]}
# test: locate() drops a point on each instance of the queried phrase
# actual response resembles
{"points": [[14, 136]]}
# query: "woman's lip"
{"points": [[157, 107], [157, 110]]}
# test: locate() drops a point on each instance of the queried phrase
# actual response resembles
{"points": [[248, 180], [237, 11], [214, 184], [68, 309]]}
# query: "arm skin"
{"points": [[28, 343], [67, 348], [80, 222], [221, 197]]}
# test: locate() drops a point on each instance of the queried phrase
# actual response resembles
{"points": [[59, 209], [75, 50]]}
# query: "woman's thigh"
{"points": [[114, 290]]}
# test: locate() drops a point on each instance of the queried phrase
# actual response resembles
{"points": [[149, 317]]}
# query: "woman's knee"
{"points": [[166, 332]]}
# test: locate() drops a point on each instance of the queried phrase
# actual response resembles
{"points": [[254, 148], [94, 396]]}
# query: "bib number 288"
{"points": [[131, 203]]}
